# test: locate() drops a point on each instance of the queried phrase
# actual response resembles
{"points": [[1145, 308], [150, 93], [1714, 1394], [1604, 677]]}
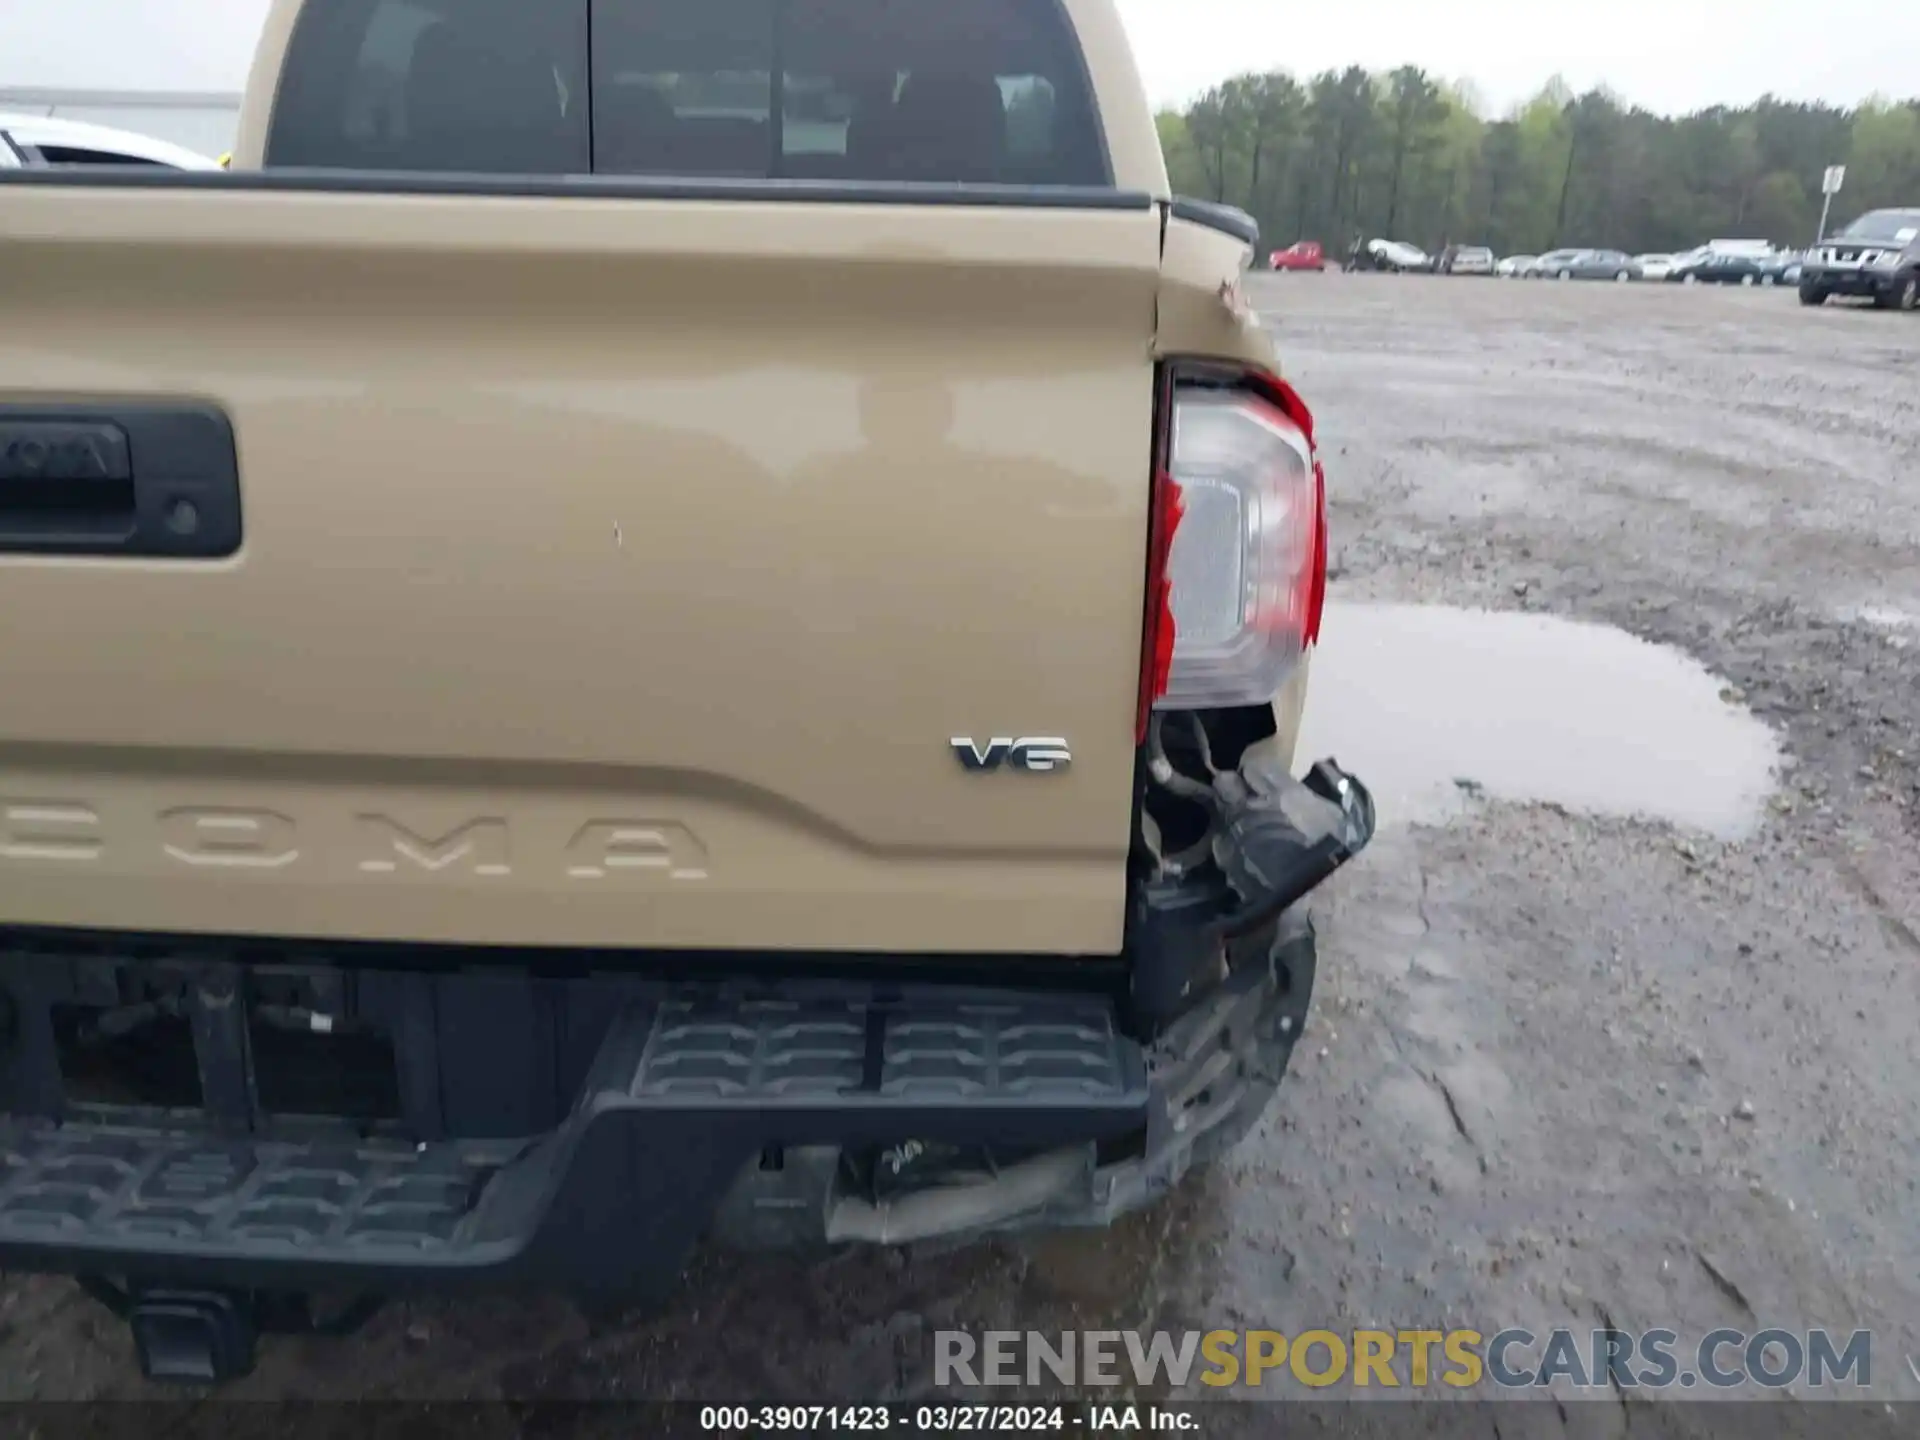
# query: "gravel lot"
{"points": [[1611, 1027]]}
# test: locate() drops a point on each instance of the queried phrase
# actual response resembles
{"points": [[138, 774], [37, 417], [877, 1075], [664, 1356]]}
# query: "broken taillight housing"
{"points": [[1246, 563]]}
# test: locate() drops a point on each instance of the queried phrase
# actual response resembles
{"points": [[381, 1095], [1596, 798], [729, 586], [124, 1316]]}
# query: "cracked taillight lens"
{"points": [[1245, 565]]}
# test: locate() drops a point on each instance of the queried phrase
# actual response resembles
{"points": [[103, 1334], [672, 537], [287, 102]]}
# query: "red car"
{"points": [[1301, 255]]}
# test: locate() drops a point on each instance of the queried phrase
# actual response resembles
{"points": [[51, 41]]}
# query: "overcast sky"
{"points": [[1667, 54]]}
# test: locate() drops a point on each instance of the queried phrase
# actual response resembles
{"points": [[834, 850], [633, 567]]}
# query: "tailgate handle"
{"points": [[137, 479]]}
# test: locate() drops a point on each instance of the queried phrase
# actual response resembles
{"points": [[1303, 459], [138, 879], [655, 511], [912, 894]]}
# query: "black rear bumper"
{"points": [[684, 1094], [686, 1098]]}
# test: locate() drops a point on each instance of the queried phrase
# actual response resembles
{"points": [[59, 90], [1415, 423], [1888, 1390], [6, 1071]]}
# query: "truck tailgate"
{"points": [[614, 572]]}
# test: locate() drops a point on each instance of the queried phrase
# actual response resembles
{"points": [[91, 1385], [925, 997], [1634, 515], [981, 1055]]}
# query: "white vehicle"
{"points": [[1397, 255], [1467, 260], [1757, 249], [38, 140], [1654, 267], [1516, 267]]}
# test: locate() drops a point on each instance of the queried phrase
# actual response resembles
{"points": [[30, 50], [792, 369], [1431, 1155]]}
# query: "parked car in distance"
{"points": [[1762, 250], [1654, 267], [1549, 265], [1720, 267], [1516, 267], [1397, 256], [1615, 265], [1782, 267], [36, 141], [1877, 255], [1466, 260], [1590, 265], [1301, 255]]}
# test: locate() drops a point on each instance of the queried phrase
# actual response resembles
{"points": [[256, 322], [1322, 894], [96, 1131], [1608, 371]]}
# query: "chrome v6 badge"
{"points": [[1032, 753]]}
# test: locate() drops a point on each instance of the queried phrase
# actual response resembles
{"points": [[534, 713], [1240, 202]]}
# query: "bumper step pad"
{"points": [[683, 1094], [165, 1190]]}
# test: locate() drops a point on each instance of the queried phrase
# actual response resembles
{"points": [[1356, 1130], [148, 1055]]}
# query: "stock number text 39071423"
{"points": [[907, 1419]]}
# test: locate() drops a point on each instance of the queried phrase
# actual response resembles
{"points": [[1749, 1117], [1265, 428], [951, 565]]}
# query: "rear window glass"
{"points": [[478, 86], [986, 91]]}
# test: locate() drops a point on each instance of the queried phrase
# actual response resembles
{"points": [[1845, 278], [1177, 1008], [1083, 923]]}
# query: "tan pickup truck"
{"points": [[650, 624]]}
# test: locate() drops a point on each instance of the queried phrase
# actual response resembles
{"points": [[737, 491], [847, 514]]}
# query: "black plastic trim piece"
{"points": [[147, 479], [590, 187], [998, 970], [1225, 218], [1304, 868]]}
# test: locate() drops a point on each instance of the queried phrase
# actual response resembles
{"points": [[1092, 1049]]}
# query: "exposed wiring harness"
{"points": [[1171, 779]]}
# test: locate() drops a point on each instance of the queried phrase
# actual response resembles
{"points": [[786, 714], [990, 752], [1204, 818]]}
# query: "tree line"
{"points": [[1352, 154]]}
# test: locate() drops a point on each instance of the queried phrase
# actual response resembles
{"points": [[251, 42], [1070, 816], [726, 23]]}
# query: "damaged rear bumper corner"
{"points": [[1210, 1077], [1211, 1074]]}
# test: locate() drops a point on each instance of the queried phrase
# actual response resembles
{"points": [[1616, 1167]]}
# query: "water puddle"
{"points": [[1901, 627], [1430, 706]]}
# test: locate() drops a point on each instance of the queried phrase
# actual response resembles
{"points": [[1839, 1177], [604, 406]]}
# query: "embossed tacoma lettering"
{"points": [[49, 830], [479, 847], [227, 837], [232, 839], [606, 848]]}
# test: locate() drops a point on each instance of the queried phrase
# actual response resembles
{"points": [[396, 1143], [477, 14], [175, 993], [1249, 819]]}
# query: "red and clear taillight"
{"points": [[1245, 562]]}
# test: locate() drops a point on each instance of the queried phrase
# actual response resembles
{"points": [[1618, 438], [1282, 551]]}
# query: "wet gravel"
{"points": [[1561, 1069]]}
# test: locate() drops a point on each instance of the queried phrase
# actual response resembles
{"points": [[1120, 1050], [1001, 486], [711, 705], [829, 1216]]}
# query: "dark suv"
{"points": [[1877, 255]]}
